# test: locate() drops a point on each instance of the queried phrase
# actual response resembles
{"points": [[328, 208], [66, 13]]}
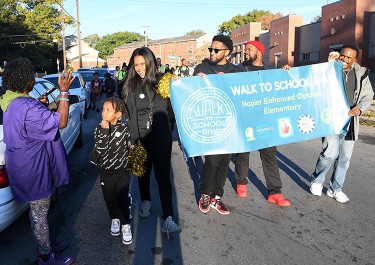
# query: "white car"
{"points": [[10, 210], [77, 88]]}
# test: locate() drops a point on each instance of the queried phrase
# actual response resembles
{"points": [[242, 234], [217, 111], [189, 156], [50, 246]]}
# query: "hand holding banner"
{"points": [[241, 112]]}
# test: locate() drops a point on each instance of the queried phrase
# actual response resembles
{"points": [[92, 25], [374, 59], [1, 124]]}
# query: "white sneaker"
{"points": [[170, 226], [338, 196], [144, 211], [127, 235], [115, 227], [316, 189]]}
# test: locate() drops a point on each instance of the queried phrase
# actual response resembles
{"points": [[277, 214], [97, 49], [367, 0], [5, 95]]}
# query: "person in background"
{"points": [[109, 86], [254, 52], [338, 149], [150, 125], [161, 67], [96, 89], [215, 167], [110, 155], [35, 156], [117, 68], [167, 69], [182, 70], [121, 77]]}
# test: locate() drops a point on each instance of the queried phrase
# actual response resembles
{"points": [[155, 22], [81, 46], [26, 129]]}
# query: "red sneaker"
{"points": [[204, 203], [278, 199], [219, 206], [241, 191]]}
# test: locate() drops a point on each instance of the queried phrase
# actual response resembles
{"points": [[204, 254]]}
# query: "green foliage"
{"points": [[240, 20], [28, 28], [92, 40], [107, 43], [195, 32]]}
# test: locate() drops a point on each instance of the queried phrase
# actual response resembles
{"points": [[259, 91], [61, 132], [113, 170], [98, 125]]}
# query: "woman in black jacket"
{"points": [[150, 125]]}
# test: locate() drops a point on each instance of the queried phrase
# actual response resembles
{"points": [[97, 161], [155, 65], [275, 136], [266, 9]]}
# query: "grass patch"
{"points": [[369, 113]]}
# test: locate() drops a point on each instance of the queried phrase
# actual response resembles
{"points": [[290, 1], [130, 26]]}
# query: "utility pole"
{"points": [[63, 34], [146, 27], [79, 35]]}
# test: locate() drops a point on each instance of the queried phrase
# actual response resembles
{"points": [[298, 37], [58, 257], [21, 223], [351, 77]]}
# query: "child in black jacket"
{"points": [[110, 155]]}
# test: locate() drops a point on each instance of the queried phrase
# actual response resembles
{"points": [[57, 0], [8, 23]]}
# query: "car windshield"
{"points": [[101, 72], [54, 80], [87, 76]]}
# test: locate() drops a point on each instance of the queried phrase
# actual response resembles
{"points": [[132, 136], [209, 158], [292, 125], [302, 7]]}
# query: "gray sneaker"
{"points": [[170, 226], [115, 227], [144, 211], [338, 195], [127, 237]]}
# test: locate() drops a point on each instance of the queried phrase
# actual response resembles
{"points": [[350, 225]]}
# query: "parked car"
{"points": [[84, 69], [101, 72], [77, 88], [87, 76], [10, 210]]}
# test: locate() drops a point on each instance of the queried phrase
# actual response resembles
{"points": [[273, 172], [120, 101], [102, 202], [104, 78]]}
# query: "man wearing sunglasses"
{"points": [[254, 52], [215, 167]]}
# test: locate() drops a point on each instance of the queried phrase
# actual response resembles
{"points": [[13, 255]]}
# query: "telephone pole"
{"points": [[79, 35], [63, 35], [145, 33]]}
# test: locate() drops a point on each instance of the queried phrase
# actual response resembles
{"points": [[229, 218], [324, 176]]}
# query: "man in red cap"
{"points": [[254, 62]]}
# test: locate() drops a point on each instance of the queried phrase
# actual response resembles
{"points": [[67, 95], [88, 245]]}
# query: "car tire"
{"points": [[79, 141]]}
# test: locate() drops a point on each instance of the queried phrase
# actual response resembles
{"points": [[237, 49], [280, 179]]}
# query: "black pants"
{"points": [[115, 188], [214, 174], [270, 169], [159, 148]]}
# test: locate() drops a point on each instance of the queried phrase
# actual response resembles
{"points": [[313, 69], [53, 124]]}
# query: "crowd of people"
{"points": [[134, 113]]}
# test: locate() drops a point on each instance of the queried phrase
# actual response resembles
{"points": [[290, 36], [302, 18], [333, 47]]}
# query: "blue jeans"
{"points": [[335, 149]]}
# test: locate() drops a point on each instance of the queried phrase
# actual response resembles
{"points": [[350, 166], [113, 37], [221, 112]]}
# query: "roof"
{"points": [[161, 41]]}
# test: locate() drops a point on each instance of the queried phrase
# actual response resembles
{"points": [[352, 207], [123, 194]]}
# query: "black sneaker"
{"points": [[217, 204], [204, 203]]}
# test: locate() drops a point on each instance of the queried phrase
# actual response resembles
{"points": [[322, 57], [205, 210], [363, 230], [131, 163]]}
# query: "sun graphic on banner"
{"points": [[306, 124]]}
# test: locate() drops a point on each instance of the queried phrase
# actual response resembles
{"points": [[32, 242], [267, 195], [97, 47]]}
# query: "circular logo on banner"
{"points": [[208, 115]]}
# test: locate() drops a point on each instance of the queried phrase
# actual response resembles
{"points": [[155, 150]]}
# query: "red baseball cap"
{"points": [[257, 44]]}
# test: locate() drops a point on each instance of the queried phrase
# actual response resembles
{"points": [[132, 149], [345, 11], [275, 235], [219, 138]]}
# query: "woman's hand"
{"points": [[65, 80]]}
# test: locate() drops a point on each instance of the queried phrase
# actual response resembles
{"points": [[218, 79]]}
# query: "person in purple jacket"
{"points": [[35, 156]]}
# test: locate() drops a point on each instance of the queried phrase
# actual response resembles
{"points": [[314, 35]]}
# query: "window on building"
{"points": [[337, 18], [305, 56], [331, 19], [343, 16]]}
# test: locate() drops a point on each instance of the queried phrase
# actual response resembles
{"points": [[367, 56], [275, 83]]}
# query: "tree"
{"points": [[194, 32], [265, 17], [28, 28], [92, 39], [107, 43]]}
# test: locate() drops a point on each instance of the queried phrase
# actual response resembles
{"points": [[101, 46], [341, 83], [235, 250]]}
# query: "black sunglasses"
{"points": [[210, 49]]}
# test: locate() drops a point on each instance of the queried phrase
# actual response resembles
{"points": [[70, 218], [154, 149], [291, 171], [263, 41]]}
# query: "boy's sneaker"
{"points": [[204, 203], [56, 260], [127, 235], [115, 227], [170, 226], [217, 204], [144, 211], [316, 189], [338, 195]]}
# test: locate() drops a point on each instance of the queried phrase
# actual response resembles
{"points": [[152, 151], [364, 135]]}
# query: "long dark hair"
{"points": [[152, 77]]}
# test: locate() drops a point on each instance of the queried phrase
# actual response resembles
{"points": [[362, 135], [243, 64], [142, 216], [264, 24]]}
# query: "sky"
{"points": [[174, 18]]}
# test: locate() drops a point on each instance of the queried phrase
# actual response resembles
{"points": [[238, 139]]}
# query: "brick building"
{"points": [[343, 23], [192, 47], [288, 41]]}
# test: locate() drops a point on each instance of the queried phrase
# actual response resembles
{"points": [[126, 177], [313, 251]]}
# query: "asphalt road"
{"points": [[314, 230]]}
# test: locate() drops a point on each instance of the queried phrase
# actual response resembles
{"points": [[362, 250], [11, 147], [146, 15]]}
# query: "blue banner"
{"points": [[241, 112]]}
